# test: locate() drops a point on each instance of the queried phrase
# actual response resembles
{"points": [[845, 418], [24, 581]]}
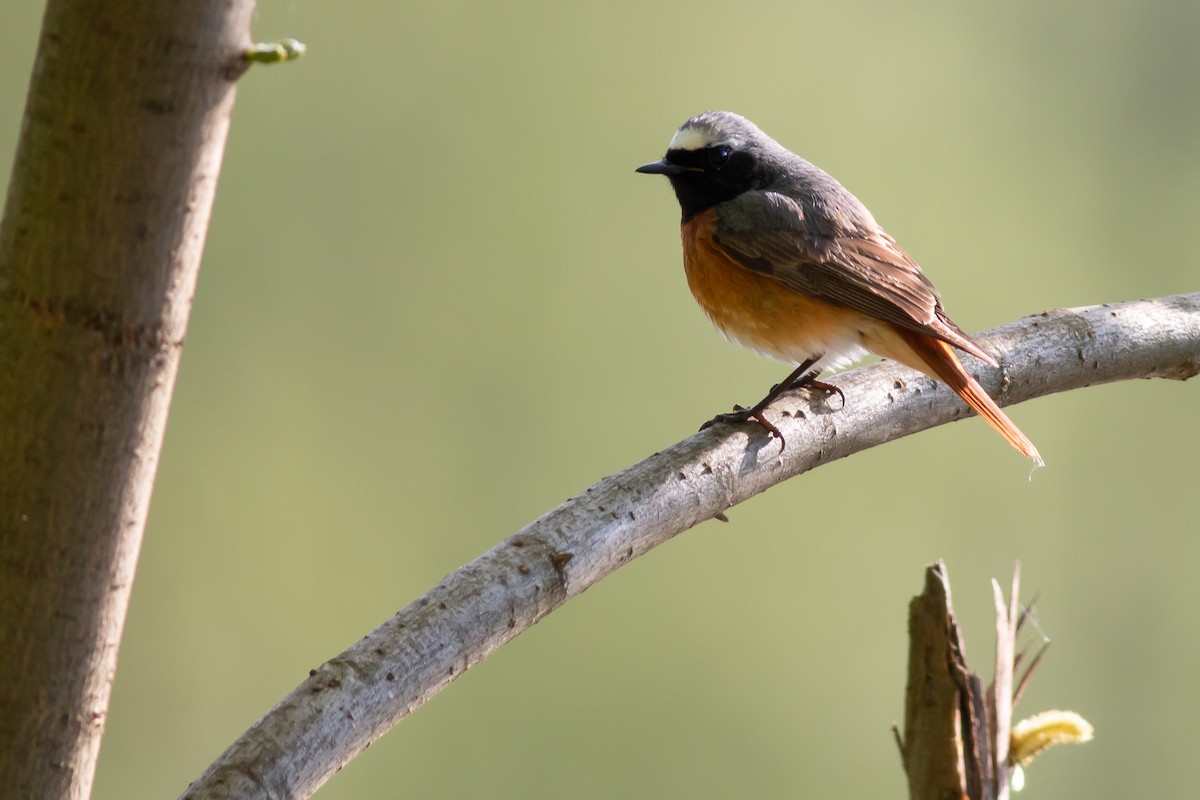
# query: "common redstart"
{"points": [[785, 261]]}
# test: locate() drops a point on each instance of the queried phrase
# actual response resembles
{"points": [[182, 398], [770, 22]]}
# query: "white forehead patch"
{"points": [[693, 138]]}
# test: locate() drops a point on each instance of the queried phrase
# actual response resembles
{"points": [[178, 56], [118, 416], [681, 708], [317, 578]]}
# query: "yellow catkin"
{"points": [[1031, 736]]}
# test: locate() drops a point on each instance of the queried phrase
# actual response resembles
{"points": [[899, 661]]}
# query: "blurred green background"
{"points": [[436, 301]]}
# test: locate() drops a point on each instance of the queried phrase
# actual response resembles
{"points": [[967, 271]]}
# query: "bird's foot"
{"points": [[755, 414], [801, 378], [797, 380], [828, 388]]}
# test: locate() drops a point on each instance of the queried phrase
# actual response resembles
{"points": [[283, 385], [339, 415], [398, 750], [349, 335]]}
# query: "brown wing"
{"points": [[837, 261]]}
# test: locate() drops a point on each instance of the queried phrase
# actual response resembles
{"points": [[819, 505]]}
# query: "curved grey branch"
{"points": [[357, 696]]}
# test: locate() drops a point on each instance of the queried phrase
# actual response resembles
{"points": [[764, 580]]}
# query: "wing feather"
{"points": [[841, 261]]}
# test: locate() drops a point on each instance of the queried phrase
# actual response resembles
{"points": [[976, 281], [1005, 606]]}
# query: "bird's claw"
{"points": [[828, 388], [755, 415]]}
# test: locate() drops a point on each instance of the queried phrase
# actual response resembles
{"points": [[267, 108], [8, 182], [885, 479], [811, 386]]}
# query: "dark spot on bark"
{"points": [[158, 106], [560, 560]]}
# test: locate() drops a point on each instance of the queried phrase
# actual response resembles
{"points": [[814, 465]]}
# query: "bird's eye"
{"points": [[718, 156]]}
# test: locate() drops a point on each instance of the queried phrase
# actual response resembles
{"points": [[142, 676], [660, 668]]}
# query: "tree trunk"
{"points": [[113, 182]]}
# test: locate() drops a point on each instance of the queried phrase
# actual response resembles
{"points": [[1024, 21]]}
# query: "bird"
{"points": [[784, 260]]}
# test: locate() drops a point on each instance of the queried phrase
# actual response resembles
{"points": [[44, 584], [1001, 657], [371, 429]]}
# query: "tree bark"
{"points": [[113, 182], [357, 696]]}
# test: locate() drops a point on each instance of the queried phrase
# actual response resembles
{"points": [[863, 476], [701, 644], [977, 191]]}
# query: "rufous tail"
{"points": [[941, 362]]}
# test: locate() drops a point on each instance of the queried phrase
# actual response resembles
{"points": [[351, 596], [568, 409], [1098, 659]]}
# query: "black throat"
{"points": [[705, 183]]}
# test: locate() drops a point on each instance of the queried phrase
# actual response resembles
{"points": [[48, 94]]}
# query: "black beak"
{"points": [[663, 167]]}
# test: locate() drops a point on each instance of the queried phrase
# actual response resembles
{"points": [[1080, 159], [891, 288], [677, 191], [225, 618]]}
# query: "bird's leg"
{"points": [[800, 377]]}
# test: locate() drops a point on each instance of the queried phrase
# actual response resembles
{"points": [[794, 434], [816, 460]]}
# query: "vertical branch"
{"points": [[1000, 698], [931, 748], [100, 243], [959, 740]]}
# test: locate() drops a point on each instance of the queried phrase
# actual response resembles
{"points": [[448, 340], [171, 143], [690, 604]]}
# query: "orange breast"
{"points": [[761, 313]]}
